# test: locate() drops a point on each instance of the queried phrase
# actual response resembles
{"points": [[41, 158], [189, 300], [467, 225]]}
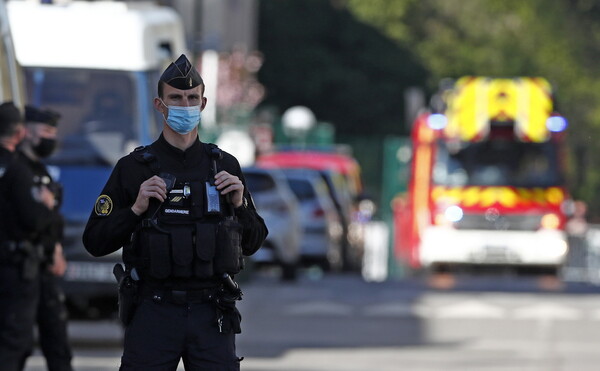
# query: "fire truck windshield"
{"points": [[497, 162]]}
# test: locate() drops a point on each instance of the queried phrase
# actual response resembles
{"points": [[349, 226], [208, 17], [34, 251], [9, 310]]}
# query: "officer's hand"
{"points": [[42, 194], [59, 263], [228, 183], [153, 187]]}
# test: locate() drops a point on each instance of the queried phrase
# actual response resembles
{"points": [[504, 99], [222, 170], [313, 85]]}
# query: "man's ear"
{"points": [[20, 133], [158, 104], [204, 100]]}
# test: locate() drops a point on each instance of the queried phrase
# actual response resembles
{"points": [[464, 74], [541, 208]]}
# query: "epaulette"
{"points": [[210, 147], [143, 154]]}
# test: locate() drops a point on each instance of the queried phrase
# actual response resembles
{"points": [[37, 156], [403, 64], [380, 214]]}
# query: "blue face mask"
{"points": [[183, 119]]}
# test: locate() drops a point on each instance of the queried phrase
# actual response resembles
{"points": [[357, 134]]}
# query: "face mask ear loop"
{"points": [[163, 115]]}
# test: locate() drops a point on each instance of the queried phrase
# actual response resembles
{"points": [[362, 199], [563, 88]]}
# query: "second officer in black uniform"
{"points": [[181, 212], [25, 213], [39, 143]]}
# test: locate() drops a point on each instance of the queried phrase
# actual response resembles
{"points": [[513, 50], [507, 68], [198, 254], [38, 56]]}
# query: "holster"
{"points": [[28, 256], [229, 318], [127, 295]]}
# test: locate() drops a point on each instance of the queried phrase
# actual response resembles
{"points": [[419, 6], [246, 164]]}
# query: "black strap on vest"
{"points": [[216, 154]]}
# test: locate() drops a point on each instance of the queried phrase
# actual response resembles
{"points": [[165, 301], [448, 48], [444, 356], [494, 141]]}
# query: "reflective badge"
{"points": [[103, 206]]}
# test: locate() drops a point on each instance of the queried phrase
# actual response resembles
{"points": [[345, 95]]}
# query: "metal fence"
{"points": [[583, 260]]}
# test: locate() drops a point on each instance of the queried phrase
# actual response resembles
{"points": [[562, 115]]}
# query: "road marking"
{"points": [[595, 315], [79, 362], [397, 309], [319, 308], [471, 309], [547, 311], [468, 309]]}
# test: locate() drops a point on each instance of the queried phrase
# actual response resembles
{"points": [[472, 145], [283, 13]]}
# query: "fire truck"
{"points": [[487, 179]]}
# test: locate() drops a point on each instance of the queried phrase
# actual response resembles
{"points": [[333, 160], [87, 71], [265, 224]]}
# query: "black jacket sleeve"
{"points": [[255, 230], [112, 221], [31, 215]]}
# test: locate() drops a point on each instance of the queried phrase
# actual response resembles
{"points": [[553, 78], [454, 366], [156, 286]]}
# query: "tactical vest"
{"points": [[182, 237]]}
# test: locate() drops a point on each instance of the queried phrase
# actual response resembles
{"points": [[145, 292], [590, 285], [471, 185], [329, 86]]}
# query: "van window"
{"points": [[98, 123]]}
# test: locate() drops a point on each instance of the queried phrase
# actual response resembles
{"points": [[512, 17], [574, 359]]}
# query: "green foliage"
{"points": [[347, 72]]}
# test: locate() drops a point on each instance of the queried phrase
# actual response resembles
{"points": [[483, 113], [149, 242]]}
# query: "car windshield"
{"points": [[302, 188], [97, 108], [498, 163], [259, 182]]}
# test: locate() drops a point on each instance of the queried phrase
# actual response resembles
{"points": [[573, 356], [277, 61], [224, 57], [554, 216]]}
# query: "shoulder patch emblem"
{"points": [[103, 206]]}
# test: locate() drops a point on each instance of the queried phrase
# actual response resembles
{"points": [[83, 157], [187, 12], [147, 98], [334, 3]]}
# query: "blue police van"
{"points": [[97, 64]]}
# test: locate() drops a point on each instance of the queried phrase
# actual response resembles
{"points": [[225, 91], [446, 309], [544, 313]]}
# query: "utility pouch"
{"points": [[183, 250], [159, 248], [127, 294], [228, 255], [205, 250]]}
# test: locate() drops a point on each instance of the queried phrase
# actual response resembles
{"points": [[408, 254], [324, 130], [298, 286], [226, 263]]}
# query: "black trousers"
{"points": [[18, 305], [163, 333], [52, 324]]}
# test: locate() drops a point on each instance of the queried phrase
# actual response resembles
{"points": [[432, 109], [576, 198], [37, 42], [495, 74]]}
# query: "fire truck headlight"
{"points": [[453, 213], [437, 121], [550, 221], [559, 249], [556, 124]]}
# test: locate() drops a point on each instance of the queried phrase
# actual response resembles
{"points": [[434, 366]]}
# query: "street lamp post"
{"points": [[297, 121]]}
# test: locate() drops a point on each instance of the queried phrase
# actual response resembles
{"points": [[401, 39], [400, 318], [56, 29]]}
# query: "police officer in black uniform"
{"points": [[25, 213], [39, 143], [181, 212]]}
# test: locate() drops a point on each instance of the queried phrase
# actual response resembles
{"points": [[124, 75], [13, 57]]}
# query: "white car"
{"points": [[353, 228], [322, 227], [277, 205]]}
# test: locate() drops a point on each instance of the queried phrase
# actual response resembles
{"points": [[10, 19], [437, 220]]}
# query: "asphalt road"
{"points": [[343, 323]]}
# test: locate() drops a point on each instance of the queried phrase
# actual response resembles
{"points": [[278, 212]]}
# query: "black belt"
{"points": [[12, 252], [14, 246], [179, 296]]}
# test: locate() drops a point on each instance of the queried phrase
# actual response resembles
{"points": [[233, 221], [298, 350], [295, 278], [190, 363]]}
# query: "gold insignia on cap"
{"points": [[103, 206], [190, 81]]}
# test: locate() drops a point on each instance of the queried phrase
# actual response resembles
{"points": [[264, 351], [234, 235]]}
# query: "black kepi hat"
{"points": [[181, 74], [48, 117], [9, 114]]}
